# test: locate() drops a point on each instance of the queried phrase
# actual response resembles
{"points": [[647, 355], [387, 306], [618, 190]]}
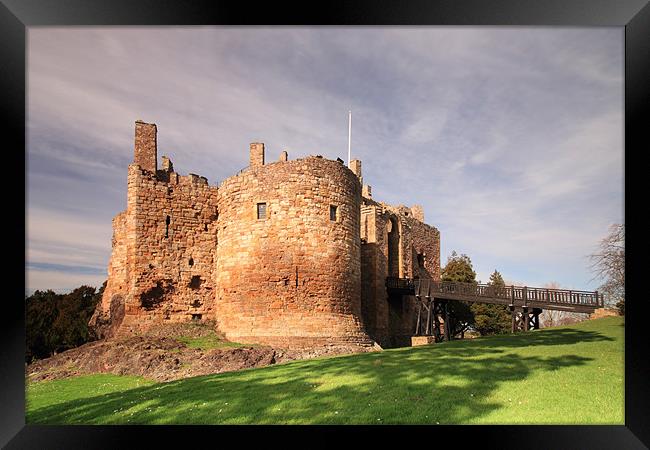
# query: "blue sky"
{"points": [[511, 138]]}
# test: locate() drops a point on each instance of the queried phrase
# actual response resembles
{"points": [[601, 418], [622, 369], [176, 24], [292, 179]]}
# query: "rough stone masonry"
{"points": [[292, 253]]}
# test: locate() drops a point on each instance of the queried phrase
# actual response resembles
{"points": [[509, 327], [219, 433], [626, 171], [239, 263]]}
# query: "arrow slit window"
{"points": [[333, 211], [261, 210]]}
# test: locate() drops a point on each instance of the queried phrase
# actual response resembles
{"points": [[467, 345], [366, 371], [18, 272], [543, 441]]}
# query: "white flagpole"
{"points": [[349, 135]]}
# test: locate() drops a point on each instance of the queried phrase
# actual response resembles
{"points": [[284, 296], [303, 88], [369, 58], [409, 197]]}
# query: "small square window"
{"points": [[333, 213], [261, 210]]}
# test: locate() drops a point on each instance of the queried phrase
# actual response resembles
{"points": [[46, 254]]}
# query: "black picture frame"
{"points": [[17, 15]]}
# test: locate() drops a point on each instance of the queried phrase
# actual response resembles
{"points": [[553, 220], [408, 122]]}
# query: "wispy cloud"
{"points": [[511, 138]]}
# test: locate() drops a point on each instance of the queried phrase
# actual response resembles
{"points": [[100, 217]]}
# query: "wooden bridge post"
{"points": [[536, 313], [512, 309], [524, 309], [524, 294], [436, 320], [526, 317], [447, 324]]}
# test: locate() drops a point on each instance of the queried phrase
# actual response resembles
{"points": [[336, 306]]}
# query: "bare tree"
{"points": [[608, 264]]}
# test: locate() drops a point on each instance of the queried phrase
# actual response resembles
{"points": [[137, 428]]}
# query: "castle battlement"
{"points": [[289, 253]]}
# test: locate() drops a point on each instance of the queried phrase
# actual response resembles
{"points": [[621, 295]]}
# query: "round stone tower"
{"points": [[288, 253]]}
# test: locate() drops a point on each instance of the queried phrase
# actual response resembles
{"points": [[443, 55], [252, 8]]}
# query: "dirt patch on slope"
{"points": [[160, 357], [156, 358], [603, 312], [185, 329]]}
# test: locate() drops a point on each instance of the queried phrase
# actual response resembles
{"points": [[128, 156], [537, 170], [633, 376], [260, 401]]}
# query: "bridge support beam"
{"points": [[436, 321], [428, 325], [525, 320], [534, 318], [447, 324], [437, 311], [525, 317], [432, 316]]}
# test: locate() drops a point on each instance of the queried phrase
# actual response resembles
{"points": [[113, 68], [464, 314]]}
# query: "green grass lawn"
{"points": [[208, 342], [564, 375]]}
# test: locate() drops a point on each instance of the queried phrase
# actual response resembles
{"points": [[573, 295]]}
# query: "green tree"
{"points": [[496, 279], [489, 318], [71, 324], [58, 322], [459, 268], [40, 313]]}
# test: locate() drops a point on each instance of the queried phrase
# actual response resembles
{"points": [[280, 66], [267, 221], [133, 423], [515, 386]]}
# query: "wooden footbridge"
{"points": [[525, 303]]}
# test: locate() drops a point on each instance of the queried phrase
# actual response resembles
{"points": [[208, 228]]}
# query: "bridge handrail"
{"points": [[400, 283], [523, 294]]}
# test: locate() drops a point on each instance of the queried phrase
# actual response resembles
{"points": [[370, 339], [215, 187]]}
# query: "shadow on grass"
{"points": [[440, 383], [537, 338]]}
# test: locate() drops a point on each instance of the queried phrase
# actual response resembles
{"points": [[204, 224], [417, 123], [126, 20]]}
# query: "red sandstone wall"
{"points": [[171, 265], [110, 312], [294, 276], [420, 238], [117, 269], [146, 146], [374, 269], [390, 320]]}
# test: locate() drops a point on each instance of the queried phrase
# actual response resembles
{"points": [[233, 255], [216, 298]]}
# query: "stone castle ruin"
{"points": [[291, 253]]}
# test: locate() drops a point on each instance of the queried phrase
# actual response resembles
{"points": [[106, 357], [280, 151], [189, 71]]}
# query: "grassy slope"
{"points": [[208, 342], [571, 374]]}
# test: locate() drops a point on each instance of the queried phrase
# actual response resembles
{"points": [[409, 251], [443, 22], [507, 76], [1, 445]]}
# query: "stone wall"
{"points": [[287, 253], [164, 245], [172, 274], [374, 269], [110, 312], [294, 274], [395, 242], [146, 146]]}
